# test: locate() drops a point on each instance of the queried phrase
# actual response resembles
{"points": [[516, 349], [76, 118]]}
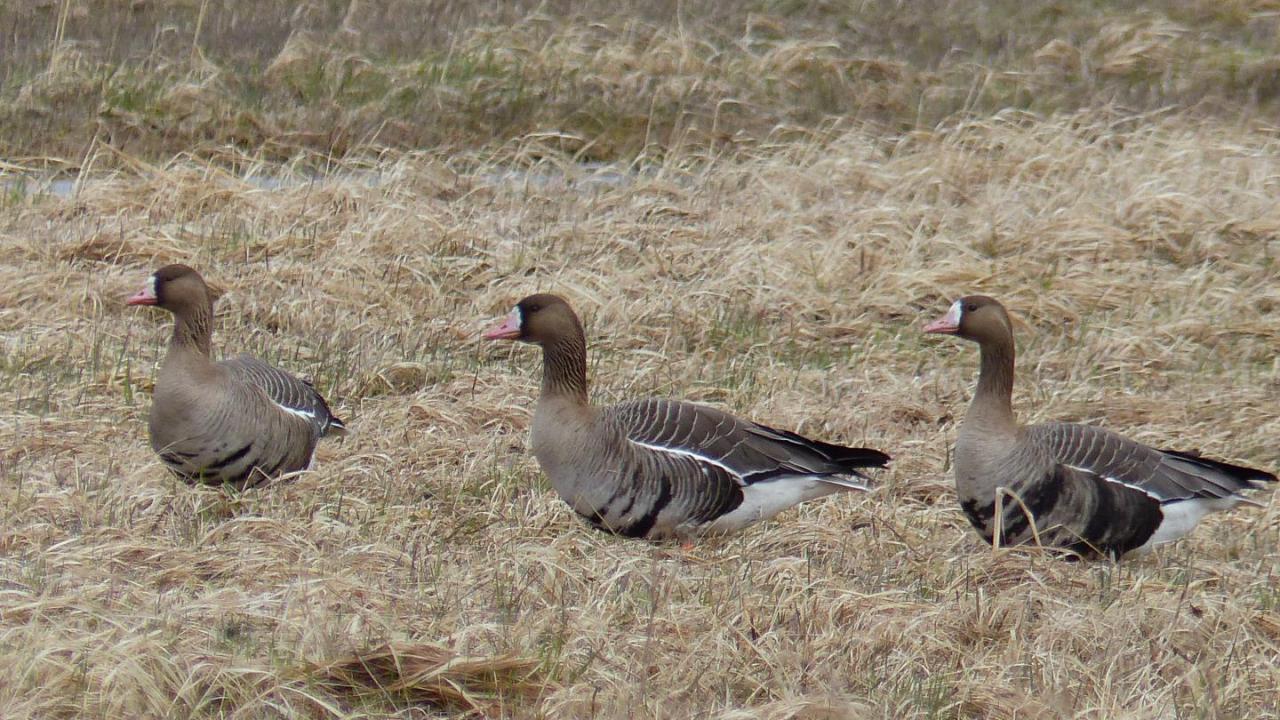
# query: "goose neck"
{"points": [[564, 368]]}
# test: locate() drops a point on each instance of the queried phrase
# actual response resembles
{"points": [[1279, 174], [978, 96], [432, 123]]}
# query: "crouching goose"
{"points": [[238, 421], [1074, 487], [658, 468]]}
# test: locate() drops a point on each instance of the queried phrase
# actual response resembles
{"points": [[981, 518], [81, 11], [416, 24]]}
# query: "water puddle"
{"points": [[582, 177]]}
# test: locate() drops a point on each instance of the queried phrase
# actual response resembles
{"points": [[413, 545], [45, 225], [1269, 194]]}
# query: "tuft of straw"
{"points": [[427, 674]]}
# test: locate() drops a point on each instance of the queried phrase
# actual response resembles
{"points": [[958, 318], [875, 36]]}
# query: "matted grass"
{"points": [[788, 285]]}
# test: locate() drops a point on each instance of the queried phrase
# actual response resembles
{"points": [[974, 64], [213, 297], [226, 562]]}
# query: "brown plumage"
{"points": [[658, 468], [1075, 487], [239, 421]]}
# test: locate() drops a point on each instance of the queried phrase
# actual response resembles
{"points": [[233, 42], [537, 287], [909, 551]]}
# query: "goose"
{"points": [[237, 422], [1077, 488], [663, 469]]}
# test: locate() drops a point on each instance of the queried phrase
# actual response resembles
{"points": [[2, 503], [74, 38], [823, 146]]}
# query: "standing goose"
{"points": [[239, 421], [657, 468], [1075, 487]]}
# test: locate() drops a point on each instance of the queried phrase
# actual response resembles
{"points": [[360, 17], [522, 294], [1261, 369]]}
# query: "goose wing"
{"points": [[1166, 475], [741, 451], [288, 392]]}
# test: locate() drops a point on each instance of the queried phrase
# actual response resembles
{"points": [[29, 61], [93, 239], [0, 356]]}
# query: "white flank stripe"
{"points": [[1118, 481], [1179, 516], [300, 413], [1182, 516], [844, 481], [681, 452], [762, 501]]}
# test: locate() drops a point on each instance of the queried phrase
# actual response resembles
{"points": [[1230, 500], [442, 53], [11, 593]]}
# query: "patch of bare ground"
{"points": [[788, 285]]}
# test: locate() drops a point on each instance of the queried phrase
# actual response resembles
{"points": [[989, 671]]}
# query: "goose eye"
{"points": [[970, 307], [533, 307]]}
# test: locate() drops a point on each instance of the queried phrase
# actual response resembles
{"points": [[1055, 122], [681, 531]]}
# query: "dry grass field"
{"points": [[785, 278]]}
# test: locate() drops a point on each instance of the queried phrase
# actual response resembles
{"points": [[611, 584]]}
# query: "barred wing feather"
{"points": [[290, 393], [748, 452], [1166, 475]]}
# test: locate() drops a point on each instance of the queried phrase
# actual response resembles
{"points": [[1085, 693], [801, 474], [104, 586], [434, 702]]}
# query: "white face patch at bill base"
{"points": [[953, 314], [147, 295], [511, 328]]}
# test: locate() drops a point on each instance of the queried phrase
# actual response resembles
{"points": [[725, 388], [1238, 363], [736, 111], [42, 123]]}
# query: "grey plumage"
{"points": [[1165, 475], [1076, 487], [657, 468], [237, 422], [288, 391], [751, 451]]}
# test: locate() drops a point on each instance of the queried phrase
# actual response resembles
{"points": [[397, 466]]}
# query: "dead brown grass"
{"points": [[605, 82], [429, 675], [790, 285]]}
